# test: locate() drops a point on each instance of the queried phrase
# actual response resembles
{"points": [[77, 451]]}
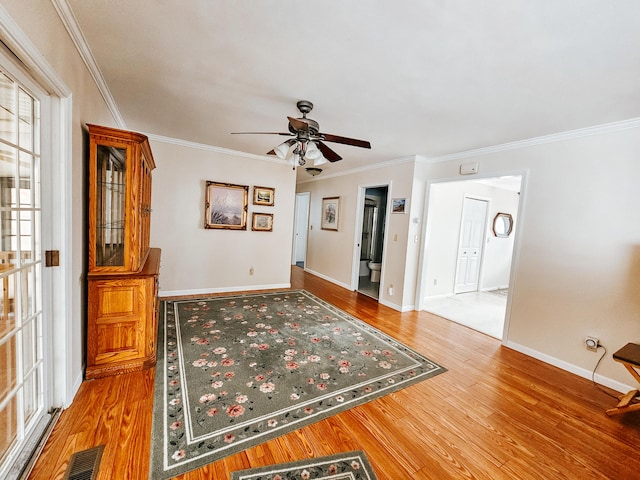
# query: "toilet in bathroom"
{"points": [[375, 268]]}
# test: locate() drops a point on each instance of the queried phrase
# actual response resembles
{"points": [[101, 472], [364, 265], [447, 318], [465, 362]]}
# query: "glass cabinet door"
{"points": [[111, 171]]}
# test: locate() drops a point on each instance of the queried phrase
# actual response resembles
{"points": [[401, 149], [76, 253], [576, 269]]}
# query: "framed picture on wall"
{"points": [[262, 222], [330, 213], [226, 206], [398, 205], [264, 196]]}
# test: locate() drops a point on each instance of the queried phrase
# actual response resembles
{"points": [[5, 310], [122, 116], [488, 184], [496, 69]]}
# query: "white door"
{"points": [[300, 228], [24, 390], [472, 233]]}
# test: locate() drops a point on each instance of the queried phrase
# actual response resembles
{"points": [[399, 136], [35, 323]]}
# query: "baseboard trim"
{"points": [[206, 291], [569, 367], [328, 279], [399, 308]]}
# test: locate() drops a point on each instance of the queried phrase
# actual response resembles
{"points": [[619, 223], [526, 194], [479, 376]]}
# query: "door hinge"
{"points": [[52, 258]]}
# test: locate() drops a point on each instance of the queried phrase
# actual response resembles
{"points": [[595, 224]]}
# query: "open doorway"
{"points": [[468, 256], [374, 218], [300, 230]]}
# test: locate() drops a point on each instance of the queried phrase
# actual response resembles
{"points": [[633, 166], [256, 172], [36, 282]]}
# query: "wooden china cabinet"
{"points": [[122, 277]]}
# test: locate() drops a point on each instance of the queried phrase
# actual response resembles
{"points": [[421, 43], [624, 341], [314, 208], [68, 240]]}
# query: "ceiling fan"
{"points": [[308, 141]]}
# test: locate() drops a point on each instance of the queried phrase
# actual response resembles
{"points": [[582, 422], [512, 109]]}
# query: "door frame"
{"points": [[517, 241], [357, 244]]}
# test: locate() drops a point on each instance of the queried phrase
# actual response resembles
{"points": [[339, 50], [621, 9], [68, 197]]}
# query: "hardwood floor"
{"points": [[496, 414]]}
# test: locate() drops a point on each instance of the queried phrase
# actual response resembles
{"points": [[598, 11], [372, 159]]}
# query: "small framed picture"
{"points": [[262, 222], [264, 196], [330, 213], [398, 205], [226, 206]]}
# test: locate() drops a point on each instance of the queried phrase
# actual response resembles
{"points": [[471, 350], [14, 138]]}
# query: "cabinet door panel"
{"points": [[119, 320], [117, 341], [118, 301]]}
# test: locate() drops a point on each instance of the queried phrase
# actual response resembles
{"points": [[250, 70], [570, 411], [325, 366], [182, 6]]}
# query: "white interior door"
{"points": [[472, 234], [300, 228]]}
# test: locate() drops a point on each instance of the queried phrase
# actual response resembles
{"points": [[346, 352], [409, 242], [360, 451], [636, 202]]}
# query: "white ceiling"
{"points": [[414, 77]]}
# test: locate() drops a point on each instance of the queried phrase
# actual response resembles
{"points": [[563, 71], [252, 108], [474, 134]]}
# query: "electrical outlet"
{"points": [[390, 289], [592, 344], [251, 271]]}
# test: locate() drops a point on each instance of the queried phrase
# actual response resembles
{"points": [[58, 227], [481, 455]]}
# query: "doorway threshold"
{"points": [[482, 311], [368, 288]]}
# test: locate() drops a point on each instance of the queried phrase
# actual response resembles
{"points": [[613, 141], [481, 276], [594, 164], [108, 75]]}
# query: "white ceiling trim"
{"points": [[211, 148], [554, 137], [390, 163], [69, 20]]}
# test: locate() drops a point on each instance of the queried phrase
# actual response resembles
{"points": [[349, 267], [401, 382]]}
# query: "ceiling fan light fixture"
{"points": [[312, 151], [313, 171], [320, 160], [297, 159], [282, 150]]}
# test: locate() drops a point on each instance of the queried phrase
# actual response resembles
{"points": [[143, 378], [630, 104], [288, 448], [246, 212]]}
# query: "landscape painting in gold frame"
{"points": [[262, 222], [226, 206], [264, 196]]}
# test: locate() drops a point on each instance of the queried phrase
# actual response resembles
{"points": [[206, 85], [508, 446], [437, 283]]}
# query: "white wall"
{"points": [[198, 260], [496, 263], [577, 247]]}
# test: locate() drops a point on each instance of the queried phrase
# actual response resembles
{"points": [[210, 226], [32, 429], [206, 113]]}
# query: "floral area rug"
{"points": [[344, 466], [235, 371]]}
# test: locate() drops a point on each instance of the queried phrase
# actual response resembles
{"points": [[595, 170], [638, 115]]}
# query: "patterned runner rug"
{"points": [[344, 466], [235, 371]]}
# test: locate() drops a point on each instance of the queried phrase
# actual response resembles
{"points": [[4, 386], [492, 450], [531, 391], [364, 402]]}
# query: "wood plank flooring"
{"points": [[496, 414]]}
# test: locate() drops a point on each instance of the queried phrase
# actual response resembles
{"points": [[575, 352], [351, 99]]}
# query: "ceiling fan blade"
{"points": [[288, 134], [298, 124], [347, 141], [328, 153]]}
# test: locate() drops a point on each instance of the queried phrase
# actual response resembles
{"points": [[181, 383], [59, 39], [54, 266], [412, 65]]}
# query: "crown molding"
{"points": [[368, 168], [211, 148], [554, 137], [71, 24]]}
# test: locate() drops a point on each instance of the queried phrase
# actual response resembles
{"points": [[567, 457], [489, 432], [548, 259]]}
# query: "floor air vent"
{"points": [[84, 465]]}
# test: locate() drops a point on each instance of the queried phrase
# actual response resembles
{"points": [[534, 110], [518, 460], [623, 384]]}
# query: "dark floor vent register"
{"points": [[84, 465]]}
